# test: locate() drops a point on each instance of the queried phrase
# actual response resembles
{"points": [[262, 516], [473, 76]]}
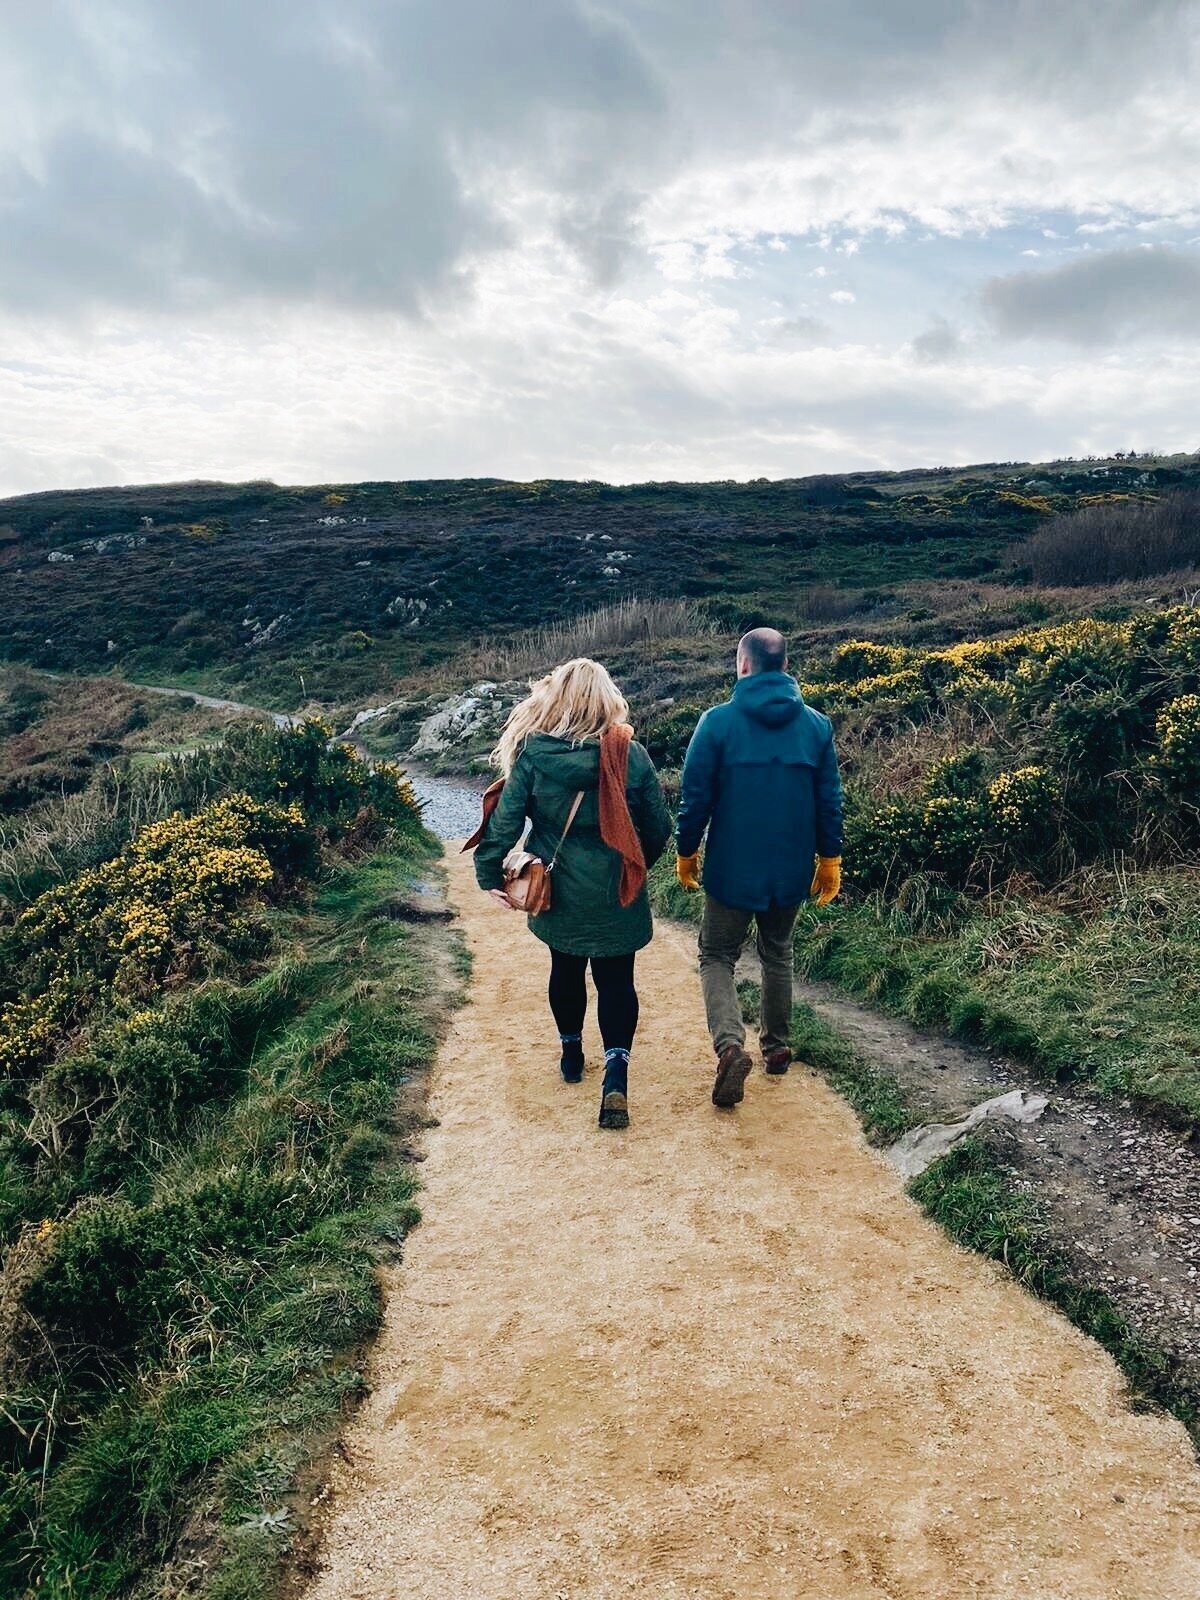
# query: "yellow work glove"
{"points": [[827, 880], [687, 870]]}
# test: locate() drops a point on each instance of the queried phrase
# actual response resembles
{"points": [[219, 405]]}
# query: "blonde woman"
{"points": [[572, 736]]}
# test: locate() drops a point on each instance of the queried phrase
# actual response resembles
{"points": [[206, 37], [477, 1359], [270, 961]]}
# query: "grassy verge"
{"points": [[208, 1313], [971, 1192], [1111, 996]]}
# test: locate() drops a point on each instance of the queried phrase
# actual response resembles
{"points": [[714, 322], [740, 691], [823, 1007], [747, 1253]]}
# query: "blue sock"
{"points": [[616, 1070]]}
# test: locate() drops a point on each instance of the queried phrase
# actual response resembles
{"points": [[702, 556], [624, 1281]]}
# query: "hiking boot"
{"points": [[733, 1067], [614, 1102], [776, 1062], [614, 1110], [571, 1062]]}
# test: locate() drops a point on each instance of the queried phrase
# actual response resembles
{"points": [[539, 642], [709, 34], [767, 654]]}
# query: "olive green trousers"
{"points": [[723, 932]]}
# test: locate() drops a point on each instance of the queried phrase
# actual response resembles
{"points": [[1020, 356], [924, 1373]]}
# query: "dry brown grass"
{"points": [[614, 627], [893, 760]]}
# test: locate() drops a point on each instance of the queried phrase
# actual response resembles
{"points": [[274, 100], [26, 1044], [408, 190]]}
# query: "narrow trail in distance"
{"points": [[718, 1355]]}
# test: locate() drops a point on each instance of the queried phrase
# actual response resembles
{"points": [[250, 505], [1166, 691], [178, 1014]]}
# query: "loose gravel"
{"points": [[450, 806]]}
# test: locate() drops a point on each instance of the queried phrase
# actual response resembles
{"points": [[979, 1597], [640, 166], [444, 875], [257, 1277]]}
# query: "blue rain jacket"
{"points": [[762, 776]]}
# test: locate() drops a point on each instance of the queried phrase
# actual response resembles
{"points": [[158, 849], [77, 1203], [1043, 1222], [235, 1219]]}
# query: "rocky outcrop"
{"points": [[466, 723], [263, 632]]}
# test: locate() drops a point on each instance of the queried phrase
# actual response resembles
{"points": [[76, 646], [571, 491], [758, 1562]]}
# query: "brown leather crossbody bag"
{"points": [[527, 877]]}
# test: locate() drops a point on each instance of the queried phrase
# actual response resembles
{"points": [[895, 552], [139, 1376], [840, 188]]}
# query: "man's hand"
{"points": [[827, 880], [687, 870], [501, 899]]}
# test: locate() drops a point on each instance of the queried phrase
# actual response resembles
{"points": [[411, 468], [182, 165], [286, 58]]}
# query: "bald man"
{"points": [[761, 775]]}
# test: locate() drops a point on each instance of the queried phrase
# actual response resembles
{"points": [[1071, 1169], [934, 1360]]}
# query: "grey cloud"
{"points": [[764, 68], [1100, 298], [363, 152], [806, 331], [603, 231], [313, 150], [941, 342]]}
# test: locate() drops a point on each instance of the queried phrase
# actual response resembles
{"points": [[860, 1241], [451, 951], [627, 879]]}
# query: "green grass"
{"points": [[210, 1408], [972, 1194], [1109, 994]]}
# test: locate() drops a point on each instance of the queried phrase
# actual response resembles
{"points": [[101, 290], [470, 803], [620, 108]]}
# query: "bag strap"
{"points": [[575, 805]]}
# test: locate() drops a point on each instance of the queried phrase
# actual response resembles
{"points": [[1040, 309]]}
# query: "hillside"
{"points": [[337, 590]]}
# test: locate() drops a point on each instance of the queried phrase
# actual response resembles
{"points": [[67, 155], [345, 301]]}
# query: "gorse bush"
{"points": [[334, 788], [295, 765], [191, 1133], [962, 827], [1086, 741], [860, 659], [1178, 755], [164, 907]]}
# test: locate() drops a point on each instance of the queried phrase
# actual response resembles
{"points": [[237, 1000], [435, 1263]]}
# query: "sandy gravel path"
{"points": [[718, 1356]]}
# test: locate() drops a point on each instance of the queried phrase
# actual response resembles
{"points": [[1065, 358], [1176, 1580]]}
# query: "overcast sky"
{"points": [[320, 240]]}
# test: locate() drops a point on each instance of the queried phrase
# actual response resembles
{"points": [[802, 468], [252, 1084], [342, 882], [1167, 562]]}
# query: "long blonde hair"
{"points": [[576, 701]]}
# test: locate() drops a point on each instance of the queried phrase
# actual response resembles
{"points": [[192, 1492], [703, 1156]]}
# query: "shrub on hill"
{"points": [[70, 834], [1121, 536], [173, 902], [295, 765], [1057, 745]]}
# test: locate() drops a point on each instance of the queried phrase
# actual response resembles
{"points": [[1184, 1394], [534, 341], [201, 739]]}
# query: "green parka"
{"points": [[584, 918]]}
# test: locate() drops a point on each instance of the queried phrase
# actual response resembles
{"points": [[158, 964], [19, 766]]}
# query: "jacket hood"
{"points": [[575, 766], [772, 698]]}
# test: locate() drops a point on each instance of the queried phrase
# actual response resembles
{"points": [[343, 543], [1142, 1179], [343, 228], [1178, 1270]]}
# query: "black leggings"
{"points": [[616, 997]]}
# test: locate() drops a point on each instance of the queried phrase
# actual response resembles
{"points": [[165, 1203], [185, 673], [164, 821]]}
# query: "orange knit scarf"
{"points": [[616, 824]]}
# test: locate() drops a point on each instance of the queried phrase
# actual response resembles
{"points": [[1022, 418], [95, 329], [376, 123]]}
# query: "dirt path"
{"points": [[718, 1355], [1118, 1189]]}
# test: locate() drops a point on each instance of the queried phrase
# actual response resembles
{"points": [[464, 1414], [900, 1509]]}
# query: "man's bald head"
{"points": [[761, 650]]}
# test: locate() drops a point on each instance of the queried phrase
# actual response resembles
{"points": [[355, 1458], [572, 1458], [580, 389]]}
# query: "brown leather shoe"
{"points": [[733, 1068], [777, 1061]]}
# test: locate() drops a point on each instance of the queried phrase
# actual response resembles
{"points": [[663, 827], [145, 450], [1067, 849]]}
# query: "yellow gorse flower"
{"points": [[124, 925]]}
